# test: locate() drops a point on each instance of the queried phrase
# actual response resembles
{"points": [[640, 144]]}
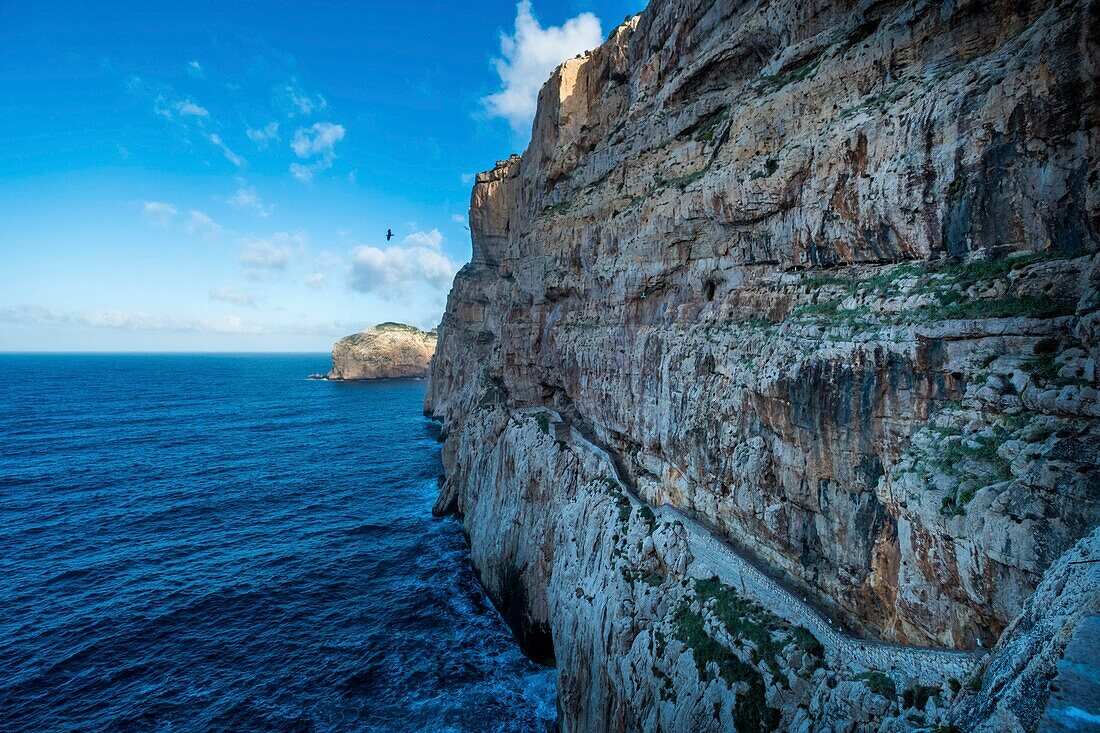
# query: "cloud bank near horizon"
{"points": [[140, 321]]}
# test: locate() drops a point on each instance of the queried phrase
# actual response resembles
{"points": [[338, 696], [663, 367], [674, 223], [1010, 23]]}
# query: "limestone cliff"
{"points": [[819, 277], [387, 351]]}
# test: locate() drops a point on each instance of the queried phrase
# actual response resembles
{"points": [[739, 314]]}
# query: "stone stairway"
{"points": [[714, 556]]}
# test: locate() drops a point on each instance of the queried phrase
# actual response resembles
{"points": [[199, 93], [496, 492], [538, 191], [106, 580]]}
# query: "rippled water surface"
{"points": [[216, 543]]}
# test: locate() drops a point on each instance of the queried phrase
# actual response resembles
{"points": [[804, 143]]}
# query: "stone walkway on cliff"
{"points": [[716, 556], [910, 663]]}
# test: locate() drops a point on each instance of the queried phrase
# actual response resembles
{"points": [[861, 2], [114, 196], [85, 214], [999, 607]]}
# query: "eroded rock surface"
{"points": [[387, 351], [824, 276], [1016, 685]]}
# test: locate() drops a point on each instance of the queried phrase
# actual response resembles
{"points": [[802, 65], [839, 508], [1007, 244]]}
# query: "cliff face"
{"points": [[387, 351], [822, 276]]}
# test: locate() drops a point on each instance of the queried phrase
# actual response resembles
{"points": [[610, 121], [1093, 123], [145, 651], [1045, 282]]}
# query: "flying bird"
{"points": [[389, 234]]}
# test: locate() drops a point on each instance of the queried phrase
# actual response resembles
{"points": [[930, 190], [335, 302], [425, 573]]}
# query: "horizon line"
{"points": [[5, 352]]}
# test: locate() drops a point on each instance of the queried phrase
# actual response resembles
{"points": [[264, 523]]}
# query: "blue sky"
{"points": [[220, 176]]}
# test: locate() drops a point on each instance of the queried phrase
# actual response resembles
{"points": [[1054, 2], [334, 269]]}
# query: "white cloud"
{"points": [[318, 143], [458, 219], [328, 260], [271, 254], [185, 113], [320, 139], [247, 198], [187, 108], [166, 102], [431, 239], [297, 102], [194, 68], [314, 280], [202, 226], [139, 321], [303, 172], [160, 108], [390, 272], [159, 213], [529, 57], [236, 297], [263, 135], [232, 157], [266, 255]]}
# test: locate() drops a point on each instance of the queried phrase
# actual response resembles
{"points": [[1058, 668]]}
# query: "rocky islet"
{"points": [[386, 351]]}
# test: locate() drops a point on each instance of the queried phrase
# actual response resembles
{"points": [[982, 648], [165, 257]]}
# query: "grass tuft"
{"points": [[880, 684]]}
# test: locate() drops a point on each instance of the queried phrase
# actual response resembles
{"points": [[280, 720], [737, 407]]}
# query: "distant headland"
{"points": [[386, 351]]}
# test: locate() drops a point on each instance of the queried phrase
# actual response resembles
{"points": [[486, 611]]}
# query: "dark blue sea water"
{"points": [[192, 543]]}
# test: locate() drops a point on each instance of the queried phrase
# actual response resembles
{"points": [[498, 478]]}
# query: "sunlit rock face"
{"points": [[824, 275], [386, 351]]}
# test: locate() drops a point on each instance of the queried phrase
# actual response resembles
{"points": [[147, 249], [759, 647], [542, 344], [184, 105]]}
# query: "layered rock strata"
{"points": [[386, 351], [822, 277]]}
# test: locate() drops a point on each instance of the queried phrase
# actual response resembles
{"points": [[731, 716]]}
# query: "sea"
{"points": [[217, 543]]}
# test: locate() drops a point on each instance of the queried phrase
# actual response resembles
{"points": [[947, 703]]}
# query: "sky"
{"points": [[221, 176]]}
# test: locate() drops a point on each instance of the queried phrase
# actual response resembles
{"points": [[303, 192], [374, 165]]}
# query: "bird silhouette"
{"points": [[389, 234]]}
